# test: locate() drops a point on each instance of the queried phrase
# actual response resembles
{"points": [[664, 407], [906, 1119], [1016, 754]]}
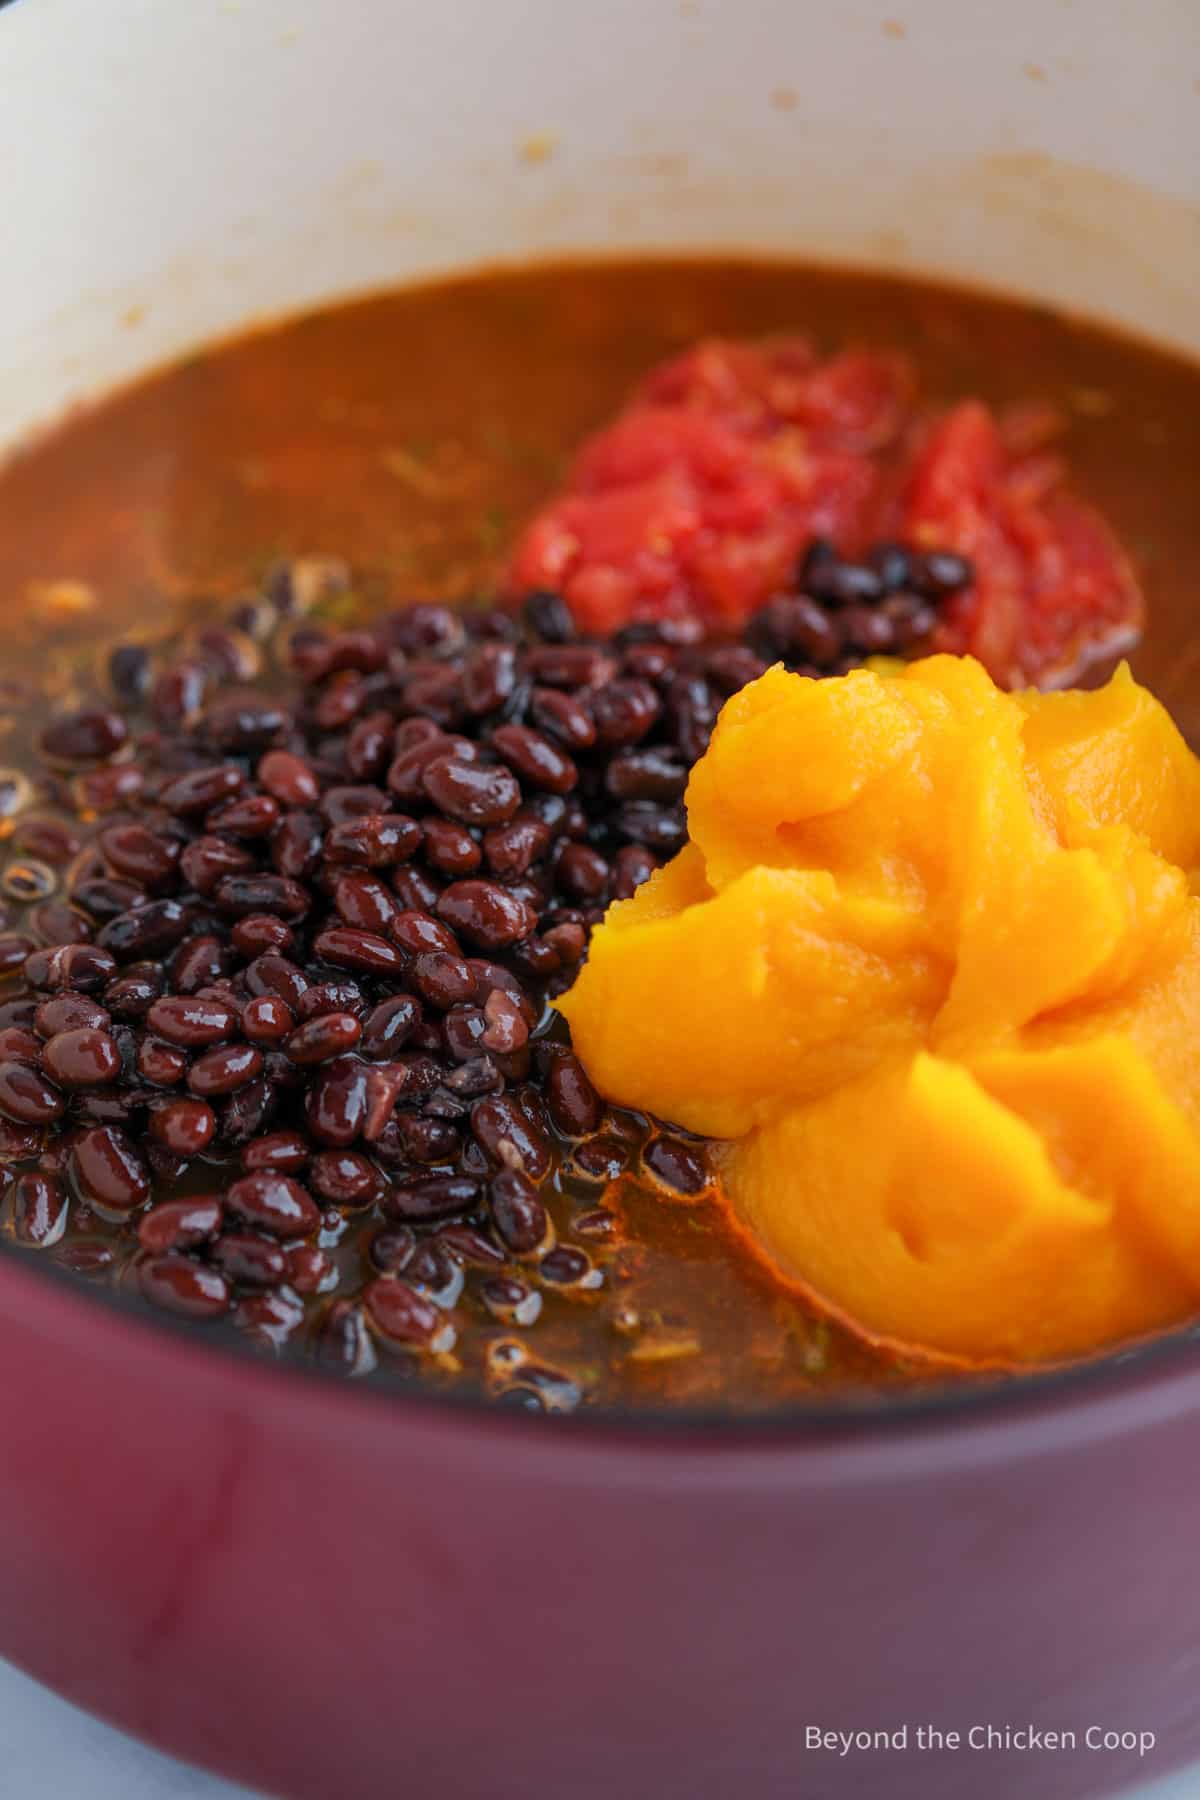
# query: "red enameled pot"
{"points": [[321, 1591]]}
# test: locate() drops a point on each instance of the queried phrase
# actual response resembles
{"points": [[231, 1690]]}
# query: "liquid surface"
{"points": [[412, 432]]}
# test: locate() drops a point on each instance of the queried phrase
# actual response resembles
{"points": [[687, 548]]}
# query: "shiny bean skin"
{"points": [[283, 1152], [91, 735], [198, 961], [450, 848], [337, 1102], [267, 1019], [180, 1285], [537, 759], [520, 1217], [289, 779], [443, 980], [388, 1026], [259, 933], [676, 1165], [345, 1178], [201, 789], [180, 1224], [27, 1097], [109, 1170], [40, 1209], [378, 841], [506, 1132], [192, 1022], [416, 931], [350, 948], [185, 1126], [471, 792], [161, 1063], [140, 855], [254, 1261], [403, 1315], [224, 1068], [320, 1039], [70, 1012], [83, 1058], [486, 914], [275, 1203], [14, 948], [364, 903]]}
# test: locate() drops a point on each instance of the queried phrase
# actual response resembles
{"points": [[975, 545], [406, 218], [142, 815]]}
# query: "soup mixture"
{"points": [[357, 667]]}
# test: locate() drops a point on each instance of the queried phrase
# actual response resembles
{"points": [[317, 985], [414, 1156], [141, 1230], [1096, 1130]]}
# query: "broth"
{"points": [[412, 432]]}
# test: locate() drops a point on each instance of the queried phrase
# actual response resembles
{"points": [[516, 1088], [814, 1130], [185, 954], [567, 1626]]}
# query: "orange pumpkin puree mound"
{"points": [[931, 963]]}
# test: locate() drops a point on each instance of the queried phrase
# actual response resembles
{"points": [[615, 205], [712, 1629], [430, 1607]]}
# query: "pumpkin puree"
{"points": [[931, 962]]}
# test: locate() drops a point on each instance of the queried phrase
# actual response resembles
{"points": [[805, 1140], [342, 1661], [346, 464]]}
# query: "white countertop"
{"points": [[52, 1751]]}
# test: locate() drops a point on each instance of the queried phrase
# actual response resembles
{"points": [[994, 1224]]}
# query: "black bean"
{"points": [[415, 931], [442, 979], [575, 1106], [322, 1038], [471, 792], [431, 1197], [563, 716], [180, 1224], [247, 815], [69, 1012], [276, 975], [938, 573], [241, 894], [388, 1025], [275, 1203], [221, 1070], [345, 1178], [149, 930], [348, 948], [83, 1058], [289, 779], [676, 1165], [520, 1218], [192, 1021], [378, 840], [505, 1130], [450, 848], [186, 1127], [197, 963], [239, 724], [109, 1170], [548, 617], [652, 773], [337, 1102], [267, 1019], [253, 1261], [406, 1317], [624, 710], [489, 677], [27, 1097], [485, 913], [40, 1209], [248, 1110], [199, 789], [91, 735], [536, 759]]}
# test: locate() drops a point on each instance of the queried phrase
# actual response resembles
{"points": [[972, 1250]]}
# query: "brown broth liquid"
{"points": [[411, 432]]}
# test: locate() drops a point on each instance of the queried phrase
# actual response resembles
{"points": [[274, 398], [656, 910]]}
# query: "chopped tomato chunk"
{"points": [[703, 494]]}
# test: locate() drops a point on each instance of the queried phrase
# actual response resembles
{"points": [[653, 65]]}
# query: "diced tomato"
{"points": [[1051, 581], [730, 459]]}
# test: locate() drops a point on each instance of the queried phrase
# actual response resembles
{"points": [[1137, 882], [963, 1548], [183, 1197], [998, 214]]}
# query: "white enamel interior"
{"points": [[174, 168]]}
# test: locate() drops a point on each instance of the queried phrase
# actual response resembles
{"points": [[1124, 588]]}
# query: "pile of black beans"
{"points": [[275, 1037]]}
